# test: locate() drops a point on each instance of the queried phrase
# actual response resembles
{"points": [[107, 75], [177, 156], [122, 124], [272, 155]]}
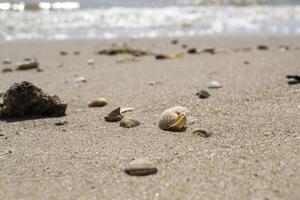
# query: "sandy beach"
{"points": [[252, 154]]}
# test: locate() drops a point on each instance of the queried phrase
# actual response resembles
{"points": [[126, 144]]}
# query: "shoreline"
{"points": [[254, 118]]}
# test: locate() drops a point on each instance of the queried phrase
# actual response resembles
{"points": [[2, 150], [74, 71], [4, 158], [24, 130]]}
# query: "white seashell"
{"points": [[91, 61], [214, 85], [99, 102], [141, 167], [126, 109], [128, 122], [80, 79], [175, 118]]}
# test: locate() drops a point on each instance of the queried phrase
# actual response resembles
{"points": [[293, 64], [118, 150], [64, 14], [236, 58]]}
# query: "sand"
{"points": [[255, 120]]}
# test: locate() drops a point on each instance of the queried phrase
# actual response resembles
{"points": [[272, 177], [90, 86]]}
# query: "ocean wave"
{"points": [[22, 6], [149, 22]]}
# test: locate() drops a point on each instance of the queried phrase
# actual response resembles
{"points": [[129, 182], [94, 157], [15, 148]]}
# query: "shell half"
{"points": [[114, 116], [128, 122], [141, 167]]}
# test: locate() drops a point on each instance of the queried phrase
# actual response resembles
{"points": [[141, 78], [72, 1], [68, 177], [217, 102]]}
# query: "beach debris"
{"points": [[63, 53], [262, 47], [192, 51], [80, 79], [6, 61], [98, 102], [6, 70], [214, 85], [28, 64], [293, 79], [128, 122], [23, 99], [91, 62], [126, 109], [203, 94], [201, 132], [169, 56], [123, 50], [174, 41], [61, 123], [141, 167], [114, 116], [175, 119]]}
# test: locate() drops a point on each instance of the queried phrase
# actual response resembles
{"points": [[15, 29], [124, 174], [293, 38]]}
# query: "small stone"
{"points": [[6, 70], [6, 61], [39, 70], [262, 47], [63, 53], [91, 61], [293, 79], [141, 167], [76, 52], [28, 64], [192, 51], [184, 46], [203, 94], [99, 102], [214, 85], [160, 57], [246, 62], [61, 122], [174, 41], [80, 79], [201, 132]]}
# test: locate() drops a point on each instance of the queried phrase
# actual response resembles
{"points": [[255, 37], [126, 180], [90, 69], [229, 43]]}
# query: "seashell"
{"points": [[114, 116], [6, 61], [61, 123], [141, 167], [175, 119], [128, 122], [80, 79], [203, 94], [201, 132], [99, 102], [126, 109], [28, 64], [5, 70], [214, 85], [91, 61]]}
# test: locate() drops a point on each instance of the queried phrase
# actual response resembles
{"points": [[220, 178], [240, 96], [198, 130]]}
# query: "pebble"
{"points": [[28, 64], [91, 61], [76, 52], [201, 132], [141, 167], [262, 47], [203, 94], [80, 79], [6, 70], [214, 85], [7, 61], [61, 123], [63, 53], [192, 51], [99, 102], [174, 41]]}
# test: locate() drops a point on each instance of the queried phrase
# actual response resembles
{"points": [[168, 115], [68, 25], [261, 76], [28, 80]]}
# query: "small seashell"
{"points": [[262, 47], [76, 52], [114, 116], [128, 122], [91, 61], [201, 132], [141, 167], [80, 79], [99, 102], [7, 61], [175, 119], [126, 109], [63, 53], [214, 85], [61, 123], [28, 64]]}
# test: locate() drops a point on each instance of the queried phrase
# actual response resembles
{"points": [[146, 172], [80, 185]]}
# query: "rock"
{"points": [[141, 167], [6, 61], [262, 47], [99, 102], [203, 94], [184, 46], [25, 99], [174, 41], [160, 57], [293, 79], [63, 53], [192, 51], [6, 70], [214, 85], [80, 79], [201, 132], [76, 52], [61, 123], [28, 64], [246, 62]]}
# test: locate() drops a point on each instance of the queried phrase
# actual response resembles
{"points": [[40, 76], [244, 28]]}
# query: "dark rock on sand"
{"points": [[203, 94], [262, 47], [6, 70], [174, 41], [25, 99], [293, 79], [192, 51], [160, 57]]}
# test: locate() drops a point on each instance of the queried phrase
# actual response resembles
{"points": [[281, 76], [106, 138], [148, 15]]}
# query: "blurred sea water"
{"points": [[106, 19]]}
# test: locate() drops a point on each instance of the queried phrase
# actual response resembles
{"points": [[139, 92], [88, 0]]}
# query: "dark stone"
{"points": [[209, 50], [160, 57], [174, 41], [192, 51], [25, 99], [203, 94], [262, 47], [293, 79], [63, 53], [6, 70]]}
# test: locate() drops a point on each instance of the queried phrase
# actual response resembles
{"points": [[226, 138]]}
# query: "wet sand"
{"points": [[255, 120]]}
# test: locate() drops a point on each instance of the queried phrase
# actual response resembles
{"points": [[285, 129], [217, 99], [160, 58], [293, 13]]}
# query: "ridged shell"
{"points": [[141, 167], [99, 102], [30, 64], [128, 122], [114, 116], [173, 118]]}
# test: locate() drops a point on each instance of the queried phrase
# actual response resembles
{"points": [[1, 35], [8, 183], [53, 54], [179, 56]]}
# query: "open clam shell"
{"points": [[128, 122], [141, 167]]}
